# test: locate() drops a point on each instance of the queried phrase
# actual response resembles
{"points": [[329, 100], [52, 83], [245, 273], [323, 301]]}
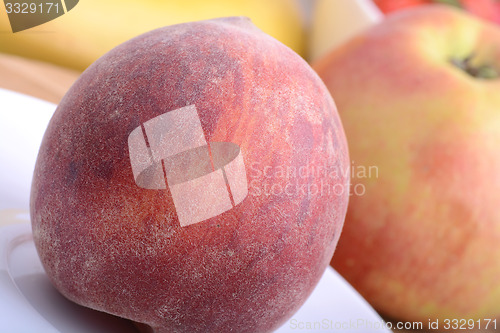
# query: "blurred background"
{"points": [[44, 60]]}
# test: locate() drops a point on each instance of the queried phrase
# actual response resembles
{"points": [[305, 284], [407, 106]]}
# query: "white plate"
{"points": [[23, 120], [30, 304]]}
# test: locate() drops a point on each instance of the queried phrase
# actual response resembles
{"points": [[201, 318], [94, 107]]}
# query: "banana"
{"points": [[335, 21], [93, 27]]}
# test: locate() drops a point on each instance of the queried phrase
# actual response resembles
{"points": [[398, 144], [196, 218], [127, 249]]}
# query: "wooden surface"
{"points": [[50, 83], [38, 79]]}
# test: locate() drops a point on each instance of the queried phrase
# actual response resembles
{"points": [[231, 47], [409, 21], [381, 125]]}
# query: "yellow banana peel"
{"points": [[93, 27]]}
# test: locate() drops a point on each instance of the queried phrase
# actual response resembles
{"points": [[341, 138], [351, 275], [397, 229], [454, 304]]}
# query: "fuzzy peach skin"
{"points": [[111, 245], [423, 241]]}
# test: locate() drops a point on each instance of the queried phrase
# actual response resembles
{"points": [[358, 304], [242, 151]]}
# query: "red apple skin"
{"points": [[110, 245], [424, 239]]}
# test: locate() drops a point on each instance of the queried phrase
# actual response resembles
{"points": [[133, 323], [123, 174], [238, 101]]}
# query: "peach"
{"points": [[188, 181]]}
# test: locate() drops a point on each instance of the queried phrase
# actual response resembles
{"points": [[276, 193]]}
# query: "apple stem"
{"points": [[481, 72]]}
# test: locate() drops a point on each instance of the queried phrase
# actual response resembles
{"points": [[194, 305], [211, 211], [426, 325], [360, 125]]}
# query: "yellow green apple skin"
{"points": [[423, 240]]}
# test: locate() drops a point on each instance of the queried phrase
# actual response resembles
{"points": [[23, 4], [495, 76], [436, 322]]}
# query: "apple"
{"points": [[418, 97], [190, 181], [388, 6], [486, 9]]}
